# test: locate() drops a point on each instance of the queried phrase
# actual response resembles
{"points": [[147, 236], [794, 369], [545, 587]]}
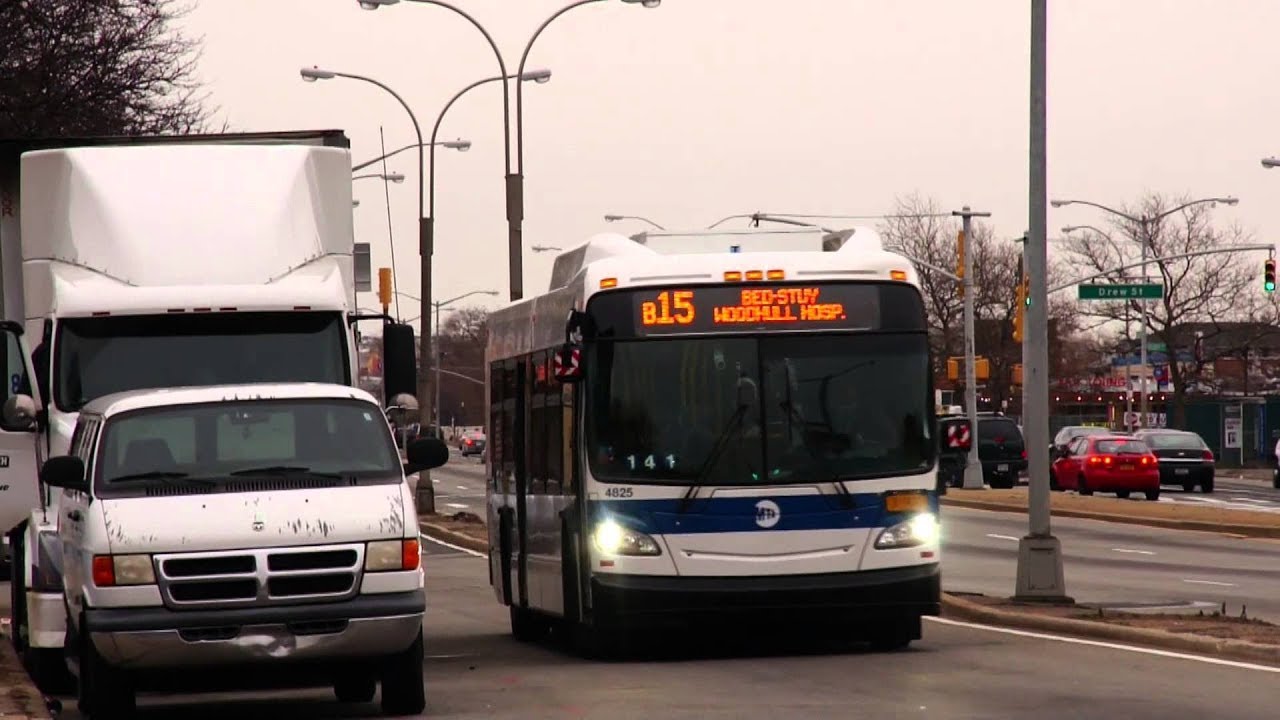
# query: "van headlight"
{"points": [[612, 538], [920, 529]]}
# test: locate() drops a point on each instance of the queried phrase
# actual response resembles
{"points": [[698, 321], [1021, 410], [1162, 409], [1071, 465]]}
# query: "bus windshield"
{"points": [[98, 356], [762, 409]]}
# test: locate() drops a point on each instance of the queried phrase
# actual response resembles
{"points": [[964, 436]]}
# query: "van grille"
{"points": [[246, 578]]}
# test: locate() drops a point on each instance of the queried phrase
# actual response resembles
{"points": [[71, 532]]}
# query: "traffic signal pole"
{"points": [[973, 465]]}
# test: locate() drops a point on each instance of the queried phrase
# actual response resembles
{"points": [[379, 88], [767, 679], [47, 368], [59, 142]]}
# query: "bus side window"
{"points": [[537, 432], [555, 442], [568, 480], [511, 405]]}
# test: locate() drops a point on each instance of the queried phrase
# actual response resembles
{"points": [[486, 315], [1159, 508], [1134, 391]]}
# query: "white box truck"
{"points": [[133, 263]]}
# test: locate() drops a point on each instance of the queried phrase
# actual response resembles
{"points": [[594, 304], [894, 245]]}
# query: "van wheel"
{"points": [[404, 689], [358, 689], [895, 636], [104, 691]]}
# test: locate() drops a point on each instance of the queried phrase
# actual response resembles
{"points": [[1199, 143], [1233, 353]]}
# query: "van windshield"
{"points": [[98, 356], [221, 443]]}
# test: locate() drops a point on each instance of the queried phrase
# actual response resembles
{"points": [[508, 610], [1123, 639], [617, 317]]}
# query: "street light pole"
{"points": [[1144, 224], [394, 177], [425, 492], [1128, 377], [616, 218], [1040, 574], [973, 465]]}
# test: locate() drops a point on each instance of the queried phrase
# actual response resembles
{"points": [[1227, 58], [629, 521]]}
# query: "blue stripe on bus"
{"points": [[739, 514]]}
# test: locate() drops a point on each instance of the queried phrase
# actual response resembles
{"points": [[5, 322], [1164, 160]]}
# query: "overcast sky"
{"points": [[705, 108]]}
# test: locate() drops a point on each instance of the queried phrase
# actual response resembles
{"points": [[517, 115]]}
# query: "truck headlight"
{"points": [[920, 529], [611, 538]]}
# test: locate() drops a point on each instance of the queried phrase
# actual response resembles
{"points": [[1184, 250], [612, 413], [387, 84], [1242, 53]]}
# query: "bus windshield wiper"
{"points": [[285, 470], [746, 398], [846, 500]]}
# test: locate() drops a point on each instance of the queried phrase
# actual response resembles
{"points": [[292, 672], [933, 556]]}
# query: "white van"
{"points": [[236, 536]]}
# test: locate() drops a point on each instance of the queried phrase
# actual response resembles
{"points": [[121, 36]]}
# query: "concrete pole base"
{"points": [[973, 477], [424, 492], [1040, 577]]}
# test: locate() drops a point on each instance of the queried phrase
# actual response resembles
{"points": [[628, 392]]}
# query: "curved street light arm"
{"points": [[1113, 211], [380, 158], [1184, 206], [1114, 245], [721, 221], [416, 128], [431, 206], [524, 57]]}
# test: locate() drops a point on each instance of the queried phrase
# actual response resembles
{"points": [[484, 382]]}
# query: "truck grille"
{"points": [[247, 578]]}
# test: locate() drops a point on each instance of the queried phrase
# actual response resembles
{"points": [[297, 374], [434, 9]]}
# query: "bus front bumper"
{"points": [[869, 596]]}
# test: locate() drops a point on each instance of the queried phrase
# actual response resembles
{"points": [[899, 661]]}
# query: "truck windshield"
{"points": [[101, 355], [221, 443], [770, 409]]}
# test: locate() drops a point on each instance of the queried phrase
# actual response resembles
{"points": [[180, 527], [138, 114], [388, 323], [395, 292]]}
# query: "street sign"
{"points": [[1145, 291]]}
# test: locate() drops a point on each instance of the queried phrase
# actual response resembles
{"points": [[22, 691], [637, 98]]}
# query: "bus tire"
{"points": [[526, 625], [895, 636]]}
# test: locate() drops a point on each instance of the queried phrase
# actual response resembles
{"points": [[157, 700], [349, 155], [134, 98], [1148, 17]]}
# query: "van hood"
{"points": [[230, 521]]}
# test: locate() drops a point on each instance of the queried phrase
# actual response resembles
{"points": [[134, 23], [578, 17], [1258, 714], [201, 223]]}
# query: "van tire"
{"points": [[404, 689], [104, 691], [895, 636], [357, 689]]}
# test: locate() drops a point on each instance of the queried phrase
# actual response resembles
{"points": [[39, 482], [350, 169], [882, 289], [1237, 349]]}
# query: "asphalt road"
{"points": [[476, 670], [1116, 563]]}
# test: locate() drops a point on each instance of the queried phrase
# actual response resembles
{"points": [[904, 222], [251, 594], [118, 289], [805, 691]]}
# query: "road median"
{"points": [[462, 529], [1212, 635], [1170, 516]]}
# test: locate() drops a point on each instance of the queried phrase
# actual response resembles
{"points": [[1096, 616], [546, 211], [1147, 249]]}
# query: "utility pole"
{"points": [[972, 466], [1040, 575]]}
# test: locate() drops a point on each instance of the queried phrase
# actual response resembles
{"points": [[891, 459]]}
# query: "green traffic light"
{"points": [[1028, 303], [1269, 286]]}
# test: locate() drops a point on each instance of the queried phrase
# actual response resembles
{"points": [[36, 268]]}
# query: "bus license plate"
{"points": [[1002, 468], [1182, 471]]}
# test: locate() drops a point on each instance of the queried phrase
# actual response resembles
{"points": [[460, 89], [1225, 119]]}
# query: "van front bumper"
{"points": [[367, 626]]}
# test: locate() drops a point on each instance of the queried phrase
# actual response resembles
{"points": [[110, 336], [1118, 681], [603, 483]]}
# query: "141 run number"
{"points": [[651, 463]]}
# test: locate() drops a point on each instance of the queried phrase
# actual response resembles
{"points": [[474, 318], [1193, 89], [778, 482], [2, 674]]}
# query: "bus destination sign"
{"points": [[739, 308]]}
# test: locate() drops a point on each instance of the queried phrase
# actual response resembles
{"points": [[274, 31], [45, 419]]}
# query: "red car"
{"points": [[1103, 463]]}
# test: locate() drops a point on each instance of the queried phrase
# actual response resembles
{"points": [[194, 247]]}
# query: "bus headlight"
{"points": [[921, 529], [611, 538]]}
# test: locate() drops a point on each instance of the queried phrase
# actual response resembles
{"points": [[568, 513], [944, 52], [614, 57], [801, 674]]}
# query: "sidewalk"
{"points": [[19, 698]]}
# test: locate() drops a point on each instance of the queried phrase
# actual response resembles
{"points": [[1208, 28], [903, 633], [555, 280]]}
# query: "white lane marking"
{"points": [[463, 487], [455, 505], [1252, 500], [1134, 552], [1108, 645], [1002, 537], [436, 481], [451, 546], [1209, 582]]}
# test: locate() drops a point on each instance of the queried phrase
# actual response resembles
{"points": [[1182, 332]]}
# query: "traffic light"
{"points": [[960, 263], [981, 368], [1017, 374], [1269, 275], [1019, 312], [953, 369], [384, 287]]}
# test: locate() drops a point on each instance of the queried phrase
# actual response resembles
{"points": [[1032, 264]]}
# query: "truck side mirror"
{"points": [[18, 414], [399, 361], [64, 471]]}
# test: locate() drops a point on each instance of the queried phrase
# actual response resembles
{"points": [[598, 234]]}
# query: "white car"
{"points": [[259, 533]]}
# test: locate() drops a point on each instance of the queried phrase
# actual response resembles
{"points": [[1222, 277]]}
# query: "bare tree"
{"points": [[921, 229], [1196, 290], [97, 67]]}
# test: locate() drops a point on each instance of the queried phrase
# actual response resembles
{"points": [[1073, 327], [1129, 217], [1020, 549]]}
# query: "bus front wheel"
{"points": [[895, 636]]}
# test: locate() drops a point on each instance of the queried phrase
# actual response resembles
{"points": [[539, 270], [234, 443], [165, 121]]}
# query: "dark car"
{"points": [[472, 443], [1183, 456], [1001, 449]]}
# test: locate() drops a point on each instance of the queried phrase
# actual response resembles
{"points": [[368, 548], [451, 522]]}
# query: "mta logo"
{"points": [[767, 513]]}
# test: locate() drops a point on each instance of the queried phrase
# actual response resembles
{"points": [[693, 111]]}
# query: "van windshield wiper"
{"points": [[168, 477], [286, 470]]}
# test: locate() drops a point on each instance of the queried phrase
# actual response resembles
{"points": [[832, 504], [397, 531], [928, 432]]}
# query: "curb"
{"points": [[1253, 531], [453, 537], [1241, 650], [19, 697]]}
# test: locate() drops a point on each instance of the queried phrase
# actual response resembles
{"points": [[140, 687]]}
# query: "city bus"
{"points": [[704, 436]]}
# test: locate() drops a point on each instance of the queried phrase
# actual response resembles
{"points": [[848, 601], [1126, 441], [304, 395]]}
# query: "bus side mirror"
{"points": [[399, 361], [18, 414]]}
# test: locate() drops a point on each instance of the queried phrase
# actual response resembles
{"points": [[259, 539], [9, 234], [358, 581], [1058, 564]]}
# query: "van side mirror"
{"points": [[64, 471], [399, 360], [18, 414], [425, 453]]}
